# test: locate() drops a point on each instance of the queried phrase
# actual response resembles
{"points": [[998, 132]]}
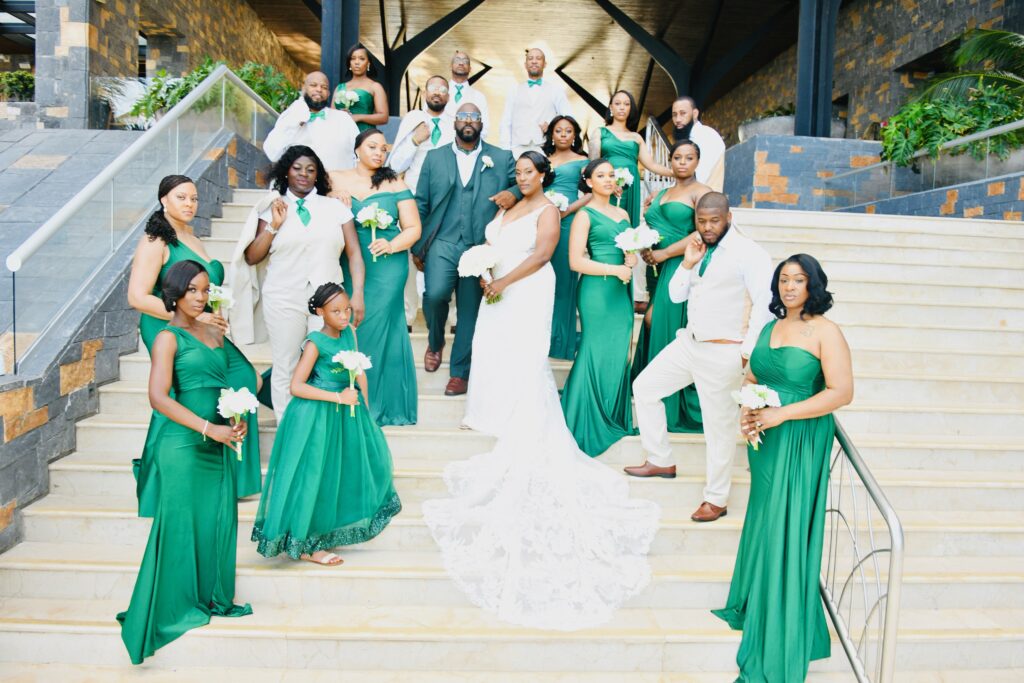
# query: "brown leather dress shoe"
{"points": [[456, 387], [708, 513], [431, 360], [649, 470]]}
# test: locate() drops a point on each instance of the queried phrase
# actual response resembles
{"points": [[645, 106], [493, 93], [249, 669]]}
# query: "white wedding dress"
{"points": [[535, 531]]}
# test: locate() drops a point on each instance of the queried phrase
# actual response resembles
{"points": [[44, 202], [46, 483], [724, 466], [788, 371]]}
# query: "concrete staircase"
{"points": [[934, 311]]}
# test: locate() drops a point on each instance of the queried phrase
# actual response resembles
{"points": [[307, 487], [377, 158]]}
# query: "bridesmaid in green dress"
{"points": [[383, 334], [188, 568], [597, 399], [371, 109], [168, 240], [563, 146], [671, 213], [774, 595], [329, 481]]}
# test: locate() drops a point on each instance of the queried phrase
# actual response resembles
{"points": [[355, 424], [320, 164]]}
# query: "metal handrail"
{"points": [[842, 519], [16, 259], [659, 145]]}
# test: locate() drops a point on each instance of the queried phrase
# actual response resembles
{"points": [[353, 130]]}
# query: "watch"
{"points": [[272, 230]]}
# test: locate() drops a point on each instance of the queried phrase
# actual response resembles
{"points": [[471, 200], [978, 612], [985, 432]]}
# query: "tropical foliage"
{"points": [[17, 86]]}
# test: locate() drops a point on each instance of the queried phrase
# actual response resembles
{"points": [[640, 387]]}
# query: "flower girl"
{"points": [[329, 480]]}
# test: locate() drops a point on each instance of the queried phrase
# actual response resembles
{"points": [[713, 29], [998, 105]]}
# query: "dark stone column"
{"points": [[815, 56]]}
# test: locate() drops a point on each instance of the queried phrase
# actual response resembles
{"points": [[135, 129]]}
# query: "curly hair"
{"points": [[383, 174], [542, 164], [279, 171], [158, 227], [323, 294], [176, 282], [577, 139], [819, 299]]}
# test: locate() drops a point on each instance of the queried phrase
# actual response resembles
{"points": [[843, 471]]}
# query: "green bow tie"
{"points": [[706, 260], [314, 115], [458, 93], [302, 211], [435, 135], [532, 82]]}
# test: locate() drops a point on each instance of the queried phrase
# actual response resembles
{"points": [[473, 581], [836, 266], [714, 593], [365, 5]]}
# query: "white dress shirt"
{"points": [[465, 161], [739, 267], [526, 107], [332, 137], [470, 95], [303, 255], [406, 156], [712, 153]]}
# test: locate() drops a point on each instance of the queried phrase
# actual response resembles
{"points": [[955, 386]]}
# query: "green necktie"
{"points": [[458, 94], [706, 260], [302, 211], [435, 134], [314, 115], [531, 82]]}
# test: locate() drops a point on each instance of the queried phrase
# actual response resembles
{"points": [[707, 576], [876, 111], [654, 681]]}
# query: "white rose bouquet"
{"points": [[220, 299], [373, 217], [355, 364], [234, 404], [632, 240], [477, 262], [623, 178], [558, 199], [346, 99], [755, 397]]}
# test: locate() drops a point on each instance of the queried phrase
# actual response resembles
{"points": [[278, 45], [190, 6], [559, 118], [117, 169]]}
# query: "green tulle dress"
{"points": [[365, 105], [624, 154], [240, 374], [383, 335], [774, 594], [329, 480], [564, 333], [673, 221], [188, 569], [597, 399]]}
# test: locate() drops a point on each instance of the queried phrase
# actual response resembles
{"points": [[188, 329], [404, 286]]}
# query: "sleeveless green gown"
{"points": [[774, 595], [673, 221], [383, 334], [597, 399], [365, 105], [624, 154], [240, 374], [188, 569], [329, 480], [564, 335]]}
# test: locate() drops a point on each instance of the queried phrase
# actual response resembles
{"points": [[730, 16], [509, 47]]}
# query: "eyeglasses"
{"points": [[441, 89], [473, 116], [460, 60]]}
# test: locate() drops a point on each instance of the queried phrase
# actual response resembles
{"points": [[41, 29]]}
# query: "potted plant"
{"points": [[781, 121]]}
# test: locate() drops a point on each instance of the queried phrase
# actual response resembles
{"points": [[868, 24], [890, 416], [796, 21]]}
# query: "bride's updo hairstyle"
{"points": [[819, 299], [588, 173], [542, 164], [323, 294]]}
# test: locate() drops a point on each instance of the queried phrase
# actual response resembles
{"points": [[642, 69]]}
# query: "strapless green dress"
{"points": [[673, 221], [329, 480], [774, 594], [240, 374], [624, 154], [597, 399], [564, 332], [188, 569], [383, 334], [365, 105]]}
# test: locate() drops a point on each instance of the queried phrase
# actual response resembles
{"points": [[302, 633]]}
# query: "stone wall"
{"points": [[900, 32], [994, 198], [19, 115]]}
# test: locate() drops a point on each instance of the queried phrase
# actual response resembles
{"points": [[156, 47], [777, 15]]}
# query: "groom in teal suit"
{"points": [[460, 188]]}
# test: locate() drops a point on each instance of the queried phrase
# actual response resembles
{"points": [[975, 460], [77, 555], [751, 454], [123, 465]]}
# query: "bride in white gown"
{"points": [[535, 531]]}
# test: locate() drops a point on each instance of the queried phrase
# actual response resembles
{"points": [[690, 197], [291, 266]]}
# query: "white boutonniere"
{"points": [[487, 162]]}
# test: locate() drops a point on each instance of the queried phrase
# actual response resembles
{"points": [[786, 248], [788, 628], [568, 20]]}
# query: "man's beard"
{"points": [[684, 132], [472, 136], [720, 237], [313, 104], [436, 107]]}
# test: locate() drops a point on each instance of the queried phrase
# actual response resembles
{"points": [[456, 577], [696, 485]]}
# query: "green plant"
{"points": [[17, 85], [984, 58], [269, 83], [788, 109]]}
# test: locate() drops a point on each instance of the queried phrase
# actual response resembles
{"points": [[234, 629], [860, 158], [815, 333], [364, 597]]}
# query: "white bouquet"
{"points": [[220, 299], [346, 99], [755, 397], [373, 217], [558, 199], [623, 178], [233, 404], [355, 363], [632, 240], [477, 262]]}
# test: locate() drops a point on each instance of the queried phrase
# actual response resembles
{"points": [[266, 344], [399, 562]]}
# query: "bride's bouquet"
{"points": [[477, 262], [632, 240], [755, 397], [233, 404], [373, 217], [355, 364], [220, 299], [623, 178], [558, 199]]}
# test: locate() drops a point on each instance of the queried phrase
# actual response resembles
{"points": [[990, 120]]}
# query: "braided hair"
{"points": [[158, 227], [323, 294], [383, 174]]}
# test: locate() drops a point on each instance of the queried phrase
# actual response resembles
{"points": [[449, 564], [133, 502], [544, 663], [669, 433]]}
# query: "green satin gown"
{"points": [[365, 105], [329, 480], [624, 154], [188, 569], [564, 332], [597, 399], [774, 594], [241, 373], [673, 221], [383, 334]]}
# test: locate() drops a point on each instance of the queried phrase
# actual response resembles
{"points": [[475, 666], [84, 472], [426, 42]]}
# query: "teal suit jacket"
{"points": [[437, 179]]}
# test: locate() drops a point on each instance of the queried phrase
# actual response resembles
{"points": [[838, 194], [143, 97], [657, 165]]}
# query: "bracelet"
{"points": [[338, 394], [271, 230], [206, 426], [391, 247]]}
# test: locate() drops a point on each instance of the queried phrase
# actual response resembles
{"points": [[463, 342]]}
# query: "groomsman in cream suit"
{"points": [[459, 190], [460, 92], [530, 106]]}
